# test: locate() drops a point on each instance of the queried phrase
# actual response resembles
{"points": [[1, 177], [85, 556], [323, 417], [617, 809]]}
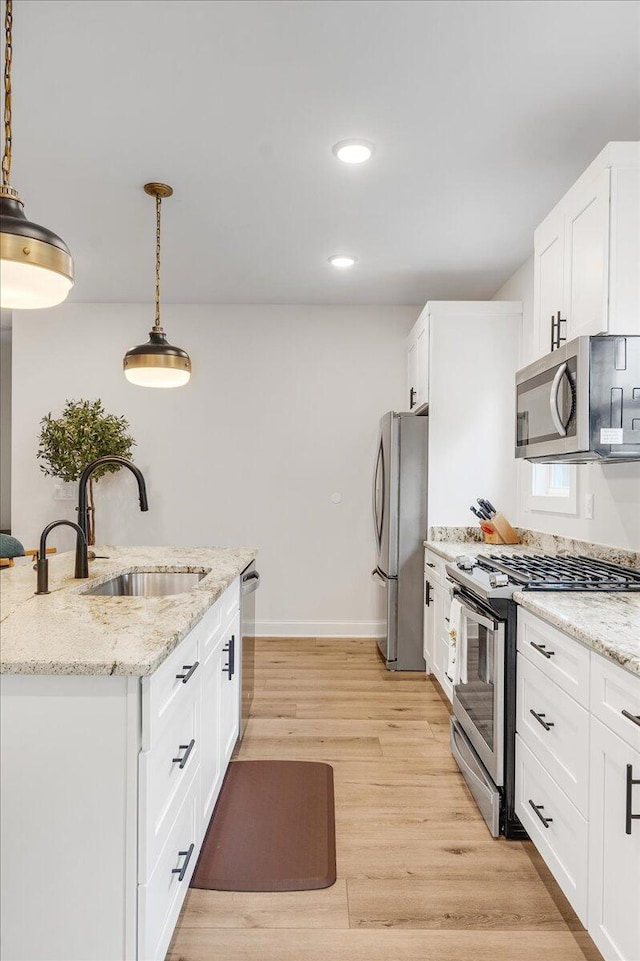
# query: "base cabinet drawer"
{"points": [[556, 729], [555, 826], [614, 845], [165, 772], [160, 900], [615, 699], [562, 659]]}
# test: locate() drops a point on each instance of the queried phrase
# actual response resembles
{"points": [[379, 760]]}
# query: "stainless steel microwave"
{"points": [[581, 403]]}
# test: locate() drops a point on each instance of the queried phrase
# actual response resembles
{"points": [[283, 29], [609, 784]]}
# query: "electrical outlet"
{"points": [[64, 492], [588, 506]]}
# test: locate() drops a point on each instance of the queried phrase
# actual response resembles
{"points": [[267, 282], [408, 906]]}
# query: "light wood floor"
{"points": [[419, 876]]}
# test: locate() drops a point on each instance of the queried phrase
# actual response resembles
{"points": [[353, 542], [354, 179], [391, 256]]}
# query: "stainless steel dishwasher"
{"points": [[249, 583]]}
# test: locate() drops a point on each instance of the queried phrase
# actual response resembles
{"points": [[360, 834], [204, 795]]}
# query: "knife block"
{"points": [[501, 531]]}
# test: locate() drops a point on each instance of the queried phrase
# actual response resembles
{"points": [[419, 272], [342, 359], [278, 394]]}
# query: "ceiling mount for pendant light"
{"points": [[36, 267], [157, 363]]}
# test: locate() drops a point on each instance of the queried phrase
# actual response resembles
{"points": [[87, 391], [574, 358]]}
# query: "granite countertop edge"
{"points": [[108, 636]]}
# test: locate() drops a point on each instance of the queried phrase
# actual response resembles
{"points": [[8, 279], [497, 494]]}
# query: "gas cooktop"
{"points": [[499, 575]]}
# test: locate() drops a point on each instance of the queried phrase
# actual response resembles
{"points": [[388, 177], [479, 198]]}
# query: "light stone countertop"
{"points": [[66, 633], [607, 622]]}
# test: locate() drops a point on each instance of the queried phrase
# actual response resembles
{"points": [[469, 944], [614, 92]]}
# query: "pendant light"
{"points": [[36, 268], [157, 363]]}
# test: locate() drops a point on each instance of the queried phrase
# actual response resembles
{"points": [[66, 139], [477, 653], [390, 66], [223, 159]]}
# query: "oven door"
{"points": [[552, 403], [479, 704]]}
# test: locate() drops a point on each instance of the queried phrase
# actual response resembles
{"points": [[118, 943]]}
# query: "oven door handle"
{"points": [[553, 401], [472, 614]]}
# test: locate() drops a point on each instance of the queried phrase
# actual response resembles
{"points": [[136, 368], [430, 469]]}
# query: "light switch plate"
{"points": [[588, 506], [64, 492]]}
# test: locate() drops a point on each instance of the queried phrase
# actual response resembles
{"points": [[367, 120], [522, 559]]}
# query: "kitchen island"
{"points": [[119, 717]]}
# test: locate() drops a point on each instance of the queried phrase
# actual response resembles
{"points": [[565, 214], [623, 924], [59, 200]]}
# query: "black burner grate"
{"points": [[554, 572]]}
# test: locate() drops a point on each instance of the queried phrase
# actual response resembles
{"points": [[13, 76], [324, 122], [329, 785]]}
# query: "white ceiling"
{"points": [[483, 113]]}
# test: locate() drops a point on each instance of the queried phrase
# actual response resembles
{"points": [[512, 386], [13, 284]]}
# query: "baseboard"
{"points": [[318, 628]]}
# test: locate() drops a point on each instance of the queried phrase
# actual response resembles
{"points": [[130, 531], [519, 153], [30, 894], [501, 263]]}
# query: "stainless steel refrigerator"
{"points": [[400, 527]]}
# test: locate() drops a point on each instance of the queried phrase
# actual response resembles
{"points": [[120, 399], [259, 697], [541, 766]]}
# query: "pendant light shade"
{"points": [[157, 363], [36, 268]]}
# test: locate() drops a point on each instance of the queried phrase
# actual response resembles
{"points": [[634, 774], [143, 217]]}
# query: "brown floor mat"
{"points": [[273, 829]]}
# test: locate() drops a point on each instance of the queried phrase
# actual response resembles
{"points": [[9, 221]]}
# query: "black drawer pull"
{"points": [[187, 748], [542, 649], [547, 725], [412, 402], [629, 817], [230, 649], [189, 668], [187, 857], [632, 717], [540, 807]]}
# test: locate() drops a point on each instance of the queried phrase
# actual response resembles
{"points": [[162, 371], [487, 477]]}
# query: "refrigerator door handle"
{"points": [[378, 473]]}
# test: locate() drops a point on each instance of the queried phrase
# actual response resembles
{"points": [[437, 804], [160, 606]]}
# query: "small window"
{"points": [[552, 487]]}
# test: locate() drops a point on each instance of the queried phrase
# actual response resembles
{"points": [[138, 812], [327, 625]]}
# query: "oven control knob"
{"points": [[465, 563], [498, 580]]}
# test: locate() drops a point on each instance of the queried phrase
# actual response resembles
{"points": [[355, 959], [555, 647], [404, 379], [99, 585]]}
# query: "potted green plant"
{"points": [[84, 432]]}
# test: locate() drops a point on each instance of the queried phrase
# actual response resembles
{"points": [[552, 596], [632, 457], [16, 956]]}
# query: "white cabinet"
{"points": [[548, 298], [586, 271], [614, 845], [230, 690], [418, 363], [577, 764], [614, 838], [436, 619], [121, 773], [587, 254]]}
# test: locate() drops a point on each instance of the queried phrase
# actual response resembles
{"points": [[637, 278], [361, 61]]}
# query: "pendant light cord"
{"points": [[8, 56], [158, 203]]}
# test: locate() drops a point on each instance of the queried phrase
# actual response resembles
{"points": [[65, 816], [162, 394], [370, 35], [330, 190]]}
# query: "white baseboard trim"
{"points": [[318, 628]]}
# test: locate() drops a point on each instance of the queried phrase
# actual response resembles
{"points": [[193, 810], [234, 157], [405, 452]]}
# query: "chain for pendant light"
{"points": [[158, 202], [8, 56]]}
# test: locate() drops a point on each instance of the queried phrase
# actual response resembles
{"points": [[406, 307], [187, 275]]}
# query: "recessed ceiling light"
{"points": [[342, 261], [353, 151]]}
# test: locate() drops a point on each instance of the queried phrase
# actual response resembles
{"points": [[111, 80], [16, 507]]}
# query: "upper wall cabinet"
{"points": [[418, 363], [587, 255]]}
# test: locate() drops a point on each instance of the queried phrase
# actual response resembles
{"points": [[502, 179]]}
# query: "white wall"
{"points": [[5, 429], [281, 412], [616, 487]]}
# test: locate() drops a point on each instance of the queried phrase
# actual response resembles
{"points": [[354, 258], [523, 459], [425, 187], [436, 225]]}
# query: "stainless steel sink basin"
{"points": [[148, 584]]}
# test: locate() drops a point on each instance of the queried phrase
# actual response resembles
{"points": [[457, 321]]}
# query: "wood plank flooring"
{"points": [[419, 876]]}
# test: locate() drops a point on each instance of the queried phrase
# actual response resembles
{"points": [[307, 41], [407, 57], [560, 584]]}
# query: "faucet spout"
{"points": [[83, 512], [42, 563]]}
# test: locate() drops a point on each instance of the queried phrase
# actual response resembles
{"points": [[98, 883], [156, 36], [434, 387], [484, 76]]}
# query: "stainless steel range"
{"points": [[484, 705]]}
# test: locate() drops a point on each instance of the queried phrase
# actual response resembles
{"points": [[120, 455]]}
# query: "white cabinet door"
{"points": [[548, 283], [614, 845], [210, 754], [230, 690], [586, 268], [429, 622], [412, 370], [418, 363], [422, 350]]}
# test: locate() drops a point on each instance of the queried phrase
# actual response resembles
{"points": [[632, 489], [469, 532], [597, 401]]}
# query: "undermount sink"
{"points": [[148, 584]]}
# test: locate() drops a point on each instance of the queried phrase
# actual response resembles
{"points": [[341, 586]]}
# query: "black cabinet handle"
{"points": [[632, 717], [187, 748], [536, 809], [556, 338], [189, 668], [412, 402], [427, 594], [542, 649], [547, 725], [230, 649], [187, 857], [629, 817]]}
